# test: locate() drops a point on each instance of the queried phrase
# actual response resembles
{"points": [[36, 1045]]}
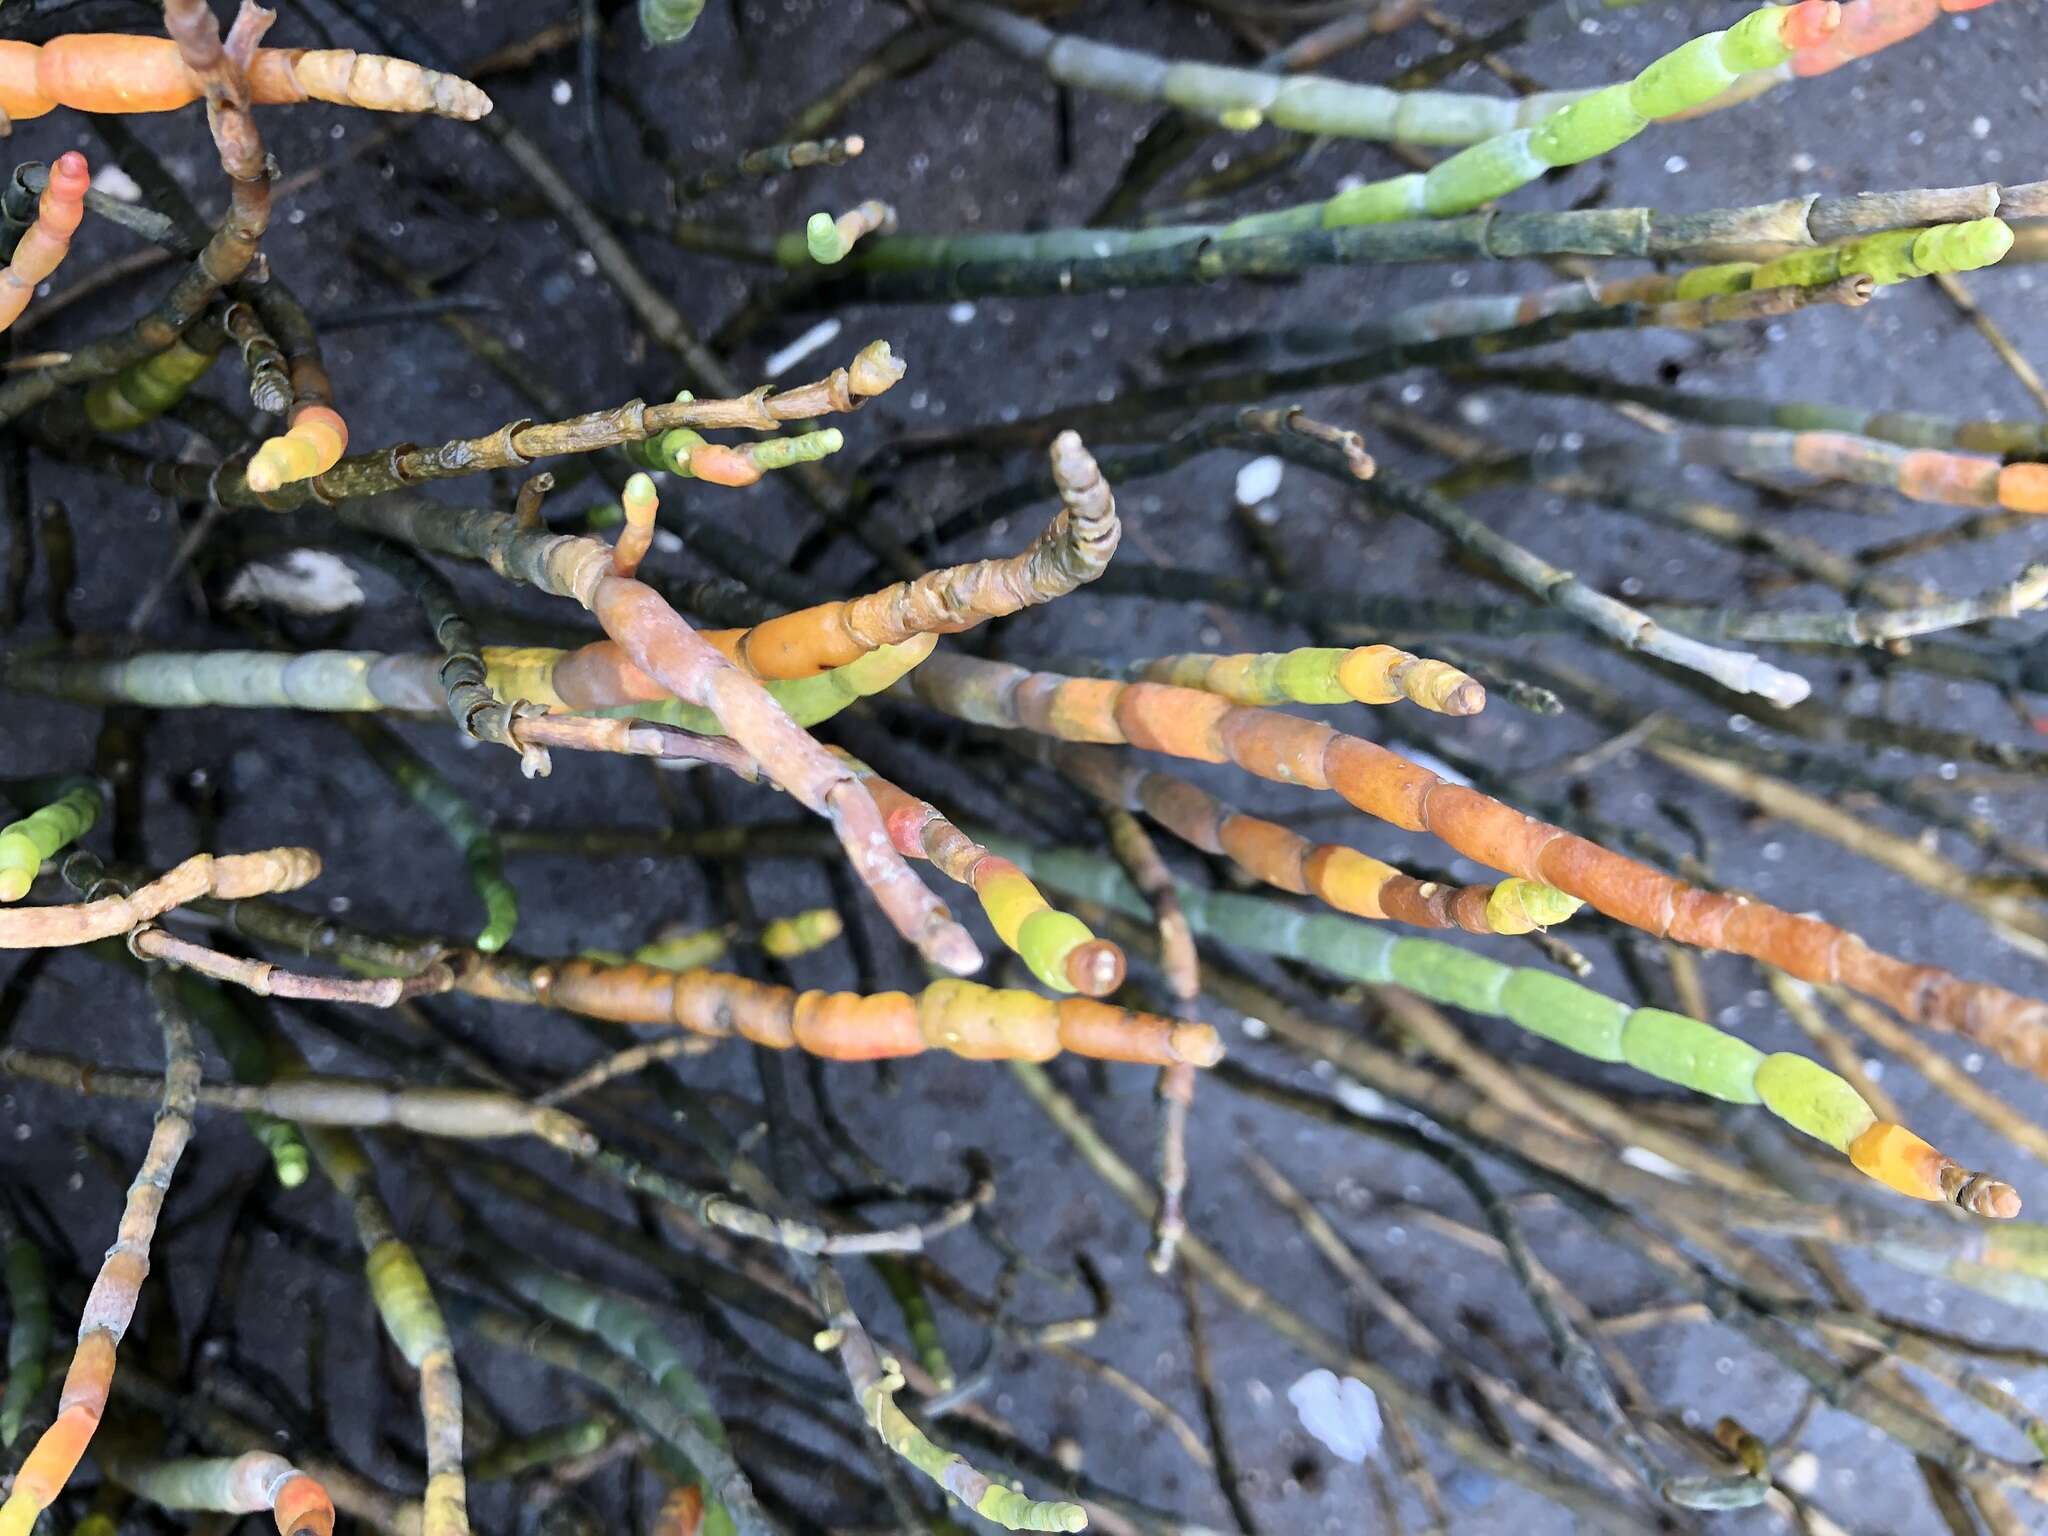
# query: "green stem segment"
{"points": [[28, 1333], [908, 1292], [143, 391], [26, 843], [412, 1319], [1243, 99], [249, 1058], [1688, 77], [807, 700], [691, 1424], [520, 1454], [466, 826], [1006, 1507], [619, 1373], [1067, 261], [1895, 256], [356, 682], [1909, 429]]}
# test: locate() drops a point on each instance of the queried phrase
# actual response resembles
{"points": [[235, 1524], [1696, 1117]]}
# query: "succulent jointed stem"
{"points": [[116, 72], [24, 844], [1339, 876], [962, 1017], [116, 1289], [1384, 784], [252, 1483], [1056, 946], [1686, 78], [48, 239], [1672, 1046]]}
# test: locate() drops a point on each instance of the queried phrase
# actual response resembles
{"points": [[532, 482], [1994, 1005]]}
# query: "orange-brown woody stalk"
{"points": [[110, 1304]]}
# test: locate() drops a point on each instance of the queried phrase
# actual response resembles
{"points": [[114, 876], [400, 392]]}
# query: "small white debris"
{"points": [[1802, 162], [1675, 164], [1800, 1473], [115, 182], [306, 581], [1359, 1099], [1342, 1413], [1652, 1162], [1980, 127], [816, 337], [562, 94], [961, 313], [1255, 1029], [1259, 481], [585, 264]]}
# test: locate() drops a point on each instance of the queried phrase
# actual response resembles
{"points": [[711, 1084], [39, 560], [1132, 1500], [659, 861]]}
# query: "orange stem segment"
{"points": [[48, 239], [116, 72], [311, 445]]}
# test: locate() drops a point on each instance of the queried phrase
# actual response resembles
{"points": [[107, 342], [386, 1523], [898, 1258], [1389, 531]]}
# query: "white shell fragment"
{"points": [[115, 182], [1258, 481], [304, 581], [1341, 1412]]}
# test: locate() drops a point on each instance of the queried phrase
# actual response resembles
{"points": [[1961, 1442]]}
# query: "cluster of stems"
{"points": [[1274, 855], [1055, 946], [1073, 550], [1184, 723], [1671, 1046]]}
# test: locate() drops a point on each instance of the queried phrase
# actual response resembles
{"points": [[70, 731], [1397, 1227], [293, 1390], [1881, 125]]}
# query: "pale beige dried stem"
{"points": [[228, 877]]}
